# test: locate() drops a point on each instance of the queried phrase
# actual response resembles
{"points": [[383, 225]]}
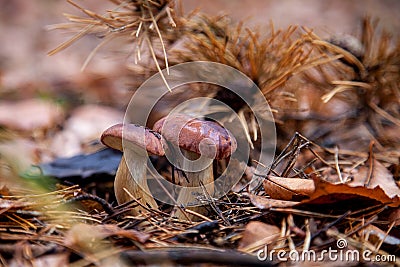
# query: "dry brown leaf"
{"points": [[88, 239], [329, 193], [29, 115], [380, 176], [81, 235], [257, 234], [377, 184], [114, 230], [85, 124], [266, 203], [89, 120], [288, 188]]}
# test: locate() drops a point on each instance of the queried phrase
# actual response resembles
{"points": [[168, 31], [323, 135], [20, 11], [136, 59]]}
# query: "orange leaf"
{"points": [[377, 184]]}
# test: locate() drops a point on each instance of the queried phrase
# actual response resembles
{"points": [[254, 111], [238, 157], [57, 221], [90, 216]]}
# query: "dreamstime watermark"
{"points": [[340, 254], [153, 95]]}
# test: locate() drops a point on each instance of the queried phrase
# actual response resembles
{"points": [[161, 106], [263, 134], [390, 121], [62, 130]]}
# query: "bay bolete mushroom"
{"points": [[198, 139], [142, 138]]}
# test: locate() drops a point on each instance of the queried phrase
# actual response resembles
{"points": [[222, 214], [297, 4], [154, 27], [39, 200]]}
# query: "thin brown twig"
{"points": [[371, 160]]}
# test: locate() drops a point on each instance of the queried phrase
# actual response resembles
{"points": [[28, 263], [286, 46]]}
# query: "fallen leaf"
{"points": [[114, 230], [29, 115], [380, 177], [86, 123], [288, 188], [266, 203], [88, 239], [377, 184], [258, 234], [89, 121], [82, 235]]}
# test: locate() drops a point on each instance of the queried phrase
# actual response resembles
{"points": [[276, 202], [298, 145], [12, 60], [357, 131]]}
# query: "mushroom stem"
{"points": [[194, 179], [132, 182], [124, 183]]}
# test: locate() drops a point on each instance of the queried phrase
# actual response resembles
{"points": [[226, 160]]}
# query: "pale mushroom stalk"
{"points": [[197, 138], [125, 186], [193, 179]]}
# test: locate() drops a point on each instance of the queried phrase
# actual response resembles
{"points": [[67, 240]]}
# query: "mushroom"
{"points": [[143, 138], [198, 139]]}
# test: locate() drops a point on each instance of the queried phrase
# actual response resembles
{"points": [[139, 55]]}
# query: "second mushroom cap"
{"points": [[189, 133]]}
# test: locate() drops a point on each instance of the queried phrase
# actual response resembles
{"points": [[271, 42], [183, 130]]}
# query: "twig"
{"points": [[214, 205], [105, 205], [307, 239], [198, 215], [339, 173], [386, 234], [190, 255], [371, 159]]}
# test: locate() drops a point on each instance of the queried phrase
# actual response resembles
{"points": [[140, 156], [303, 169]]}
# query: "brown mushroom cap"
{"points": [[193, 131], [112, 137]]}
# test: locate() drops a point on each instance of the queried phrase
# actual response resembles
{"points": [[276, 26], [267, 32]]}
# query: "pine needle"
{"points": [[156, 62]]}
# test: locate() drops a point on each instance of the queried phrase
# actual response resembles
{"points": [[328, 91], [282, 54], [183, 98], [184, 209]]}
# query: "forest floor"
{"points": [[330, 74]]}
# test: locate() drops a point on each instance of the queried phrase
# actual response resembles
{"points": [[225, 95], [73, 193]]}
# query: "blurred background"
{"points": [[25, 68]]}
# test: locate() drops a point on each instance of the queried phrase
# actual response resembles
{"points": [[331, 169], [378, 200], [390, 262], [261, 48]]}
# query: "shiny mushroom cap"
{"points": [[112, 137], [202, 137]]}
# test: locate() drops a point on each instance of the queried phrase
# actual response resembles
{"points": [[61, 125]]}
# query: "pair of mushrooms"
{"points": [[196, 138]]}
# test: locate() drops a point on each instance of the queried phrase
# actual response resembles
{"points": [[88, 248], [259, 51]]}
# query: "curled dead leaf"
{"points": [[258, 234], [288, 188], [262, 202], [114, 230]]}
